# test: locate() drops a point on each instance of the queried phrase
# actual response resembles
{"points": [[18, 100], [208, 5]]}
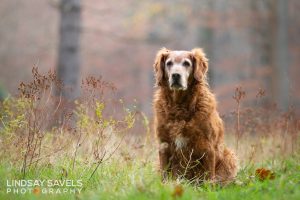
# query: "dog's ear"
{"points": [[159, 65], [200, 64]]}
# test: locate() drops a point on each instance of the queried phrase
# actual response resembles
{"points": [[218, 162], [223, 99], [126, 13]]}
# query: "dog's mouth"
{"points": [[176, 86]]}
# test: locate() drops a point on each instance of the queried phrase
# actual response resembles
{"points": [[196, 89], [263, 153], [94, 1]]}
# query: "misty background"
{"points": [[252, 43]]}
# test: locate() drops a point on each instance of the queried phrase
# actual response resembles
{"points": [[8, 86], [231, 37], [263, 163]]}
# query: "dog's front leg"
{"points": [[164, 159]]}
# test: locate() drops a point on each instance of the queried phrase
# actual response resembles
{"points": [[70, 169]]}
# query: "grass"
{"points": [[107, 151], [135, 179]]}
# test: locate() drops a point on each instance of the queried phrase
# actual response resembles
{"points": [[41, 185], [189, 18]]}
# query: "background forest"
{"points": [[251, 43], [76, 86]]}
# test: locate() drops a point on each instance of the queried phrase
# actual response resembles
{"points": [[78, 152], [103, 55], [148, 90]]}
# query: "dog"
{"points": [[186, 122]]}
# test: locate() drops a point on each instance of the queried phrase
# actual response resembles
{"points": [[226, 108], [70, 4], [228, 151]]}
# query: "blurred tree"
{"points": [[205, 39], [281, 63], [262, 40], [69, 47], [270, 36]]}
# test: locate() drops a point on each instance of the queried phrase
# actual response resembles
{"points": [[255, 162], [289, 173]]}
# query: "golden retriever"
{"points": [[187, 124]]}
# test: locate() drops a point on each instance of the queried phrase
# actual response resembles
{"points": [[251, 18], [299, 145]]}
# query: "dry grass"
{"points": [[41, 130]]}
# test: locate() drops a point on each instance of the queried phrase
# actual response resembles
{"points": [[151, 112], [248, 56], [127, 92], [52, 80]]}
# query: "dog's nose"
{"points": [[176, 77]]}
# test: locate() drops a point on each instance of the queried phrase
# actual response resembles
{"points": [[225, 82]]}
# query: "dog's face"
{"points": [[177, 69]]}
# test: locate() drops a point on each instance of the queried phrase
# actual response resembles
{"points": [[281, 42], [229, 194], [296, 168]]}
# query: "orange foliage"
{"points": [[264, 174], [178, 191]]}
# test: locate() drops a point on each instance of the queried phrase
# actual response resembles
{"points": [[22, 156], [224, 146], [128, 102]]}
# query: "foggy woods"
{"points": [[96, 103], [254, 44]]}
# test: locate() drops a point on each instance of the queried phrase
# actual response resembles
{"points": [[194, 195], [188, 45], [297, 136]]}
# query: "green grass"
{"points": [[134, 179]]}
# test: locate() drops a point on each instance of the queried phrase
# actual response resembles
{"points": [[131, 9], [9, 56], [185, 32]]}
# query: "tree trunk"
{"points": [[281, 66], [206, 38], [69, 47]]}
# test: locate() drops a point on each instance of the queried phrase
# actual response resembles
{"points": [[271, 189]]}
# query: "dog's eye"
{"points": [[169, 63], [186, 64]]}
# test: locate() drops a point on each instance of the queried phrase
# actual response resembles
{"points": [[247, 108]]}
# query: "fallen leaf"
{"points": [[36, 190], [264, 174], [178, 191]]}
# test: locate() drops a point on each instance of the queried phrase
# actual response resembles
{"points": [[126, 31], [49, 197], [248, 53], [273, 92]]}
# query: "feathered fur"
{"points": [[188, 127]]}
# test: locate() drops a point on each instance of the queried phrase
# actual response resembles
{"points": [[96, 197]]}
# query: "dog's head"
{"points": [[178, 69]]}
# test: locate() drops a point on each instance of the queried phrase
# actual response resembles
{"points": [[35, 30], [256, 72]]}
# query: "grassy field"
{"points": [[104, 149], [136, 179]]}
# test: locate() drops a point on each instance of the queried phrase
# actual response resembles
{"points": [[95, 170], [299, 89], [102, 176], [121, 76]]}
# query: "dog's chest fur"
{"points": [[180, 142], [177, 118]]}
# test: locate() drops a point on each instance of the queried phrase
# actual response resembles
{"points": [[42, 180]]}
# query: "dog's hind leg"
{"points": [[227, 167]]}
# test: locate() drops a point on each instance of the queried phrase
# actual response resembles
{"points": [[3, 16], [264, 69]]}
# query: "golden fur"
{"points": [[188, 126]]}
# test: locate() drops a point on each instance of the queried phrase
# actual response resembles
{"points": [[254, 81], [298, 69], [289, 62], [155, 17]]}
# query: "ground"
{"points": [[136, 179]]}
